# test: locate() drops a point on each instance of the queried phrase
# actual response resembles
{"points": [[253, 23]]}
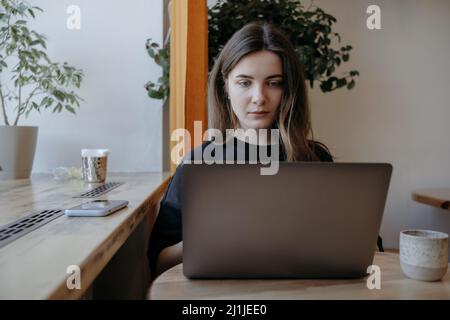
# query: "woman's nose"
{"points": [[258, 95]]}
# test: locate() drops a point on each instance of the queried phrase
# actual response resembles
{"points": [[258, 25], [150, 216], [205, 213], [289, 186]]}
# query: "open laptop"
{"points": [[310, 220]]}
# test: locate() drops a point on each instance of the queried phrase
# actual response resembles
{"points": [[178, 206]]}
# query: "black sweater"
{"points": [[167, 228]]}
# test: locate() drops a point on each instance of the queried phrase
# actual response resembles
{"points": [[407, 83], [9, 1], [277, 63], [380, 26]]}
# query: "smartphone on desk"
{"points": [[96, 208]]}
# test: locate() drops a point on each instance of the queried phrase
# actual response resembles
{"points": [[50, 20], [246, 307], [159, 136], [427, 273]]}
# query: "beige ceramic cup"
{"points": [[424, 254]]}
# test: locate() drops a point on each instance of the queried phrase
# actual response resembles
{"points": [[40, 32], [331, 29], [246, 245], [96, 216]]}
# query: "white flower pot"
{"points": [[17, 147]]}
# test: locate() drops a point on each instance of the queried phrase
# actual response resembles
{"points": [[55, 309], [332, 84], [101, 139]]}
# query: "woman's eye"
{"points": [[244, 83], [275, 83]]}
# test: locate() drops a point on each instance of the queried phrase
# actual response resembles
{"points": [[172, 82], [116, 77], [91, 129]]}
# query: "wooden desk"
{"points": [[35, 265], [436, 197], [394, 285]]}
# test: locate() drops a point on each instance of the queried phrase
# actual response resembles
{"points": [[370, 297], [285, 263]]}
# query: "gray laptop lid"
{"points": [[310, 220]]}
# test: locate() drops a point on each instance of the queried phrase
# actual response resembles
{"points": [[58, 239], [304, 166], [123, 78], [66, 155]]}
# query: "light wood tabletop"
{"points": [[394, 285], [35, 265], [436, 197]]}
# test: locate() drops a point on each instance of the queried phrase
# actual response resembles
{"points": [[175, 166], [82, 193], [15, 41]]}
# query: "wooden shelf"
{"points": [[436, 197]]}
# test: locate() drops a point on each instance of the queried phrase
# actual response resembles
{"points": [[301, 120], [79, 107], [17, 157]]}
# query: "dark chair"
{"points": [[380, 244]]}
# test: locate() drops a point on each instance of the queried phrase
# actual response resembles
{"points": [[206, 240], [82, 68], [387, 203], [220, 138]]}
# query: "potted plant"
{"points": [[29, 81], [309, 28]]}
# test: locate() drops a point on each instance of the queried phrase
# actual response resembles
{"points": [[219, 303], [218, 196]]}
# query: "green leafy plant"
{"points": [[309, 29], [37, 82], [161, 58]]}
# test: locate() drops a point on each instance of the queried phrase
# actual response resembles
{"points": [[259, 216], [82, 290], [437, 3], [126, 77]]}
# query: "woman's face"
{"points": [[255, 89]]}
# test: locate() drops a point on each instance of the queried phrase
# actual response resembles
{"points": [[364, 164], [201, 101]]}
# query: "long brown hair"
{"points": [[294, 118]]}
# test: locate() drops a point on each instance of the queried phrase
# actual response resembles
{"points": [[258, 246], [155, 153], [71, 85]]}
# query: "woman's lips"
{"points": [[258, 113]]}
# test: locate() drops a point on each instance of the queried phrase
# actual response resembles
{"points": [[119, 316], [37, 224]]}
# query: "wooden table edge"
{"points": [[92, 266]]}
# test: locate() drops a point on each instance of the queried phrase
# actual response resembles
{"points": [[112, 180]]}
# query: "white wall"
{"points": [[117, 113], [399, 110]]}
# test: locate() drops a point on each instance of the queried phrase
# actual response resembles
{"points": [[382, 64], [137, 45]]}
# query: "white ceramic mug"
{"points": [[424, 254]]}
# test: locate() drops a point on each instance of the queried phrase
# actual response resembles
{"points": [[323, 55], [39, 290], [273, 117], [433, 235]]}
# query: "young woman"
{"points": [[257, 83]]}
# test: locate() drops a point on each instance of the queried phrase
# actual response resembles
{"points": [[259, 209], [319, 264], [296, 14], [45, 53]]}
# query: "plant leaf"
{"points": [[351, 85]]}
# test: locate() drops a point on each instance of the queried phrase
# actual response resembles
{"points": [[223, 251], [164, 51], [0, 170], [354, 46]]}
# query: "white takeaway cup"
{"points": [[94, 165]]}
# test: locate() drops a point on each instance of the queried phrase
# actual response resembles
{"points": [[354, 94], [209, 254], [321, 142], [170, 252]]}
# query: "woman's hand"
{"points": [[169, 257]]}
